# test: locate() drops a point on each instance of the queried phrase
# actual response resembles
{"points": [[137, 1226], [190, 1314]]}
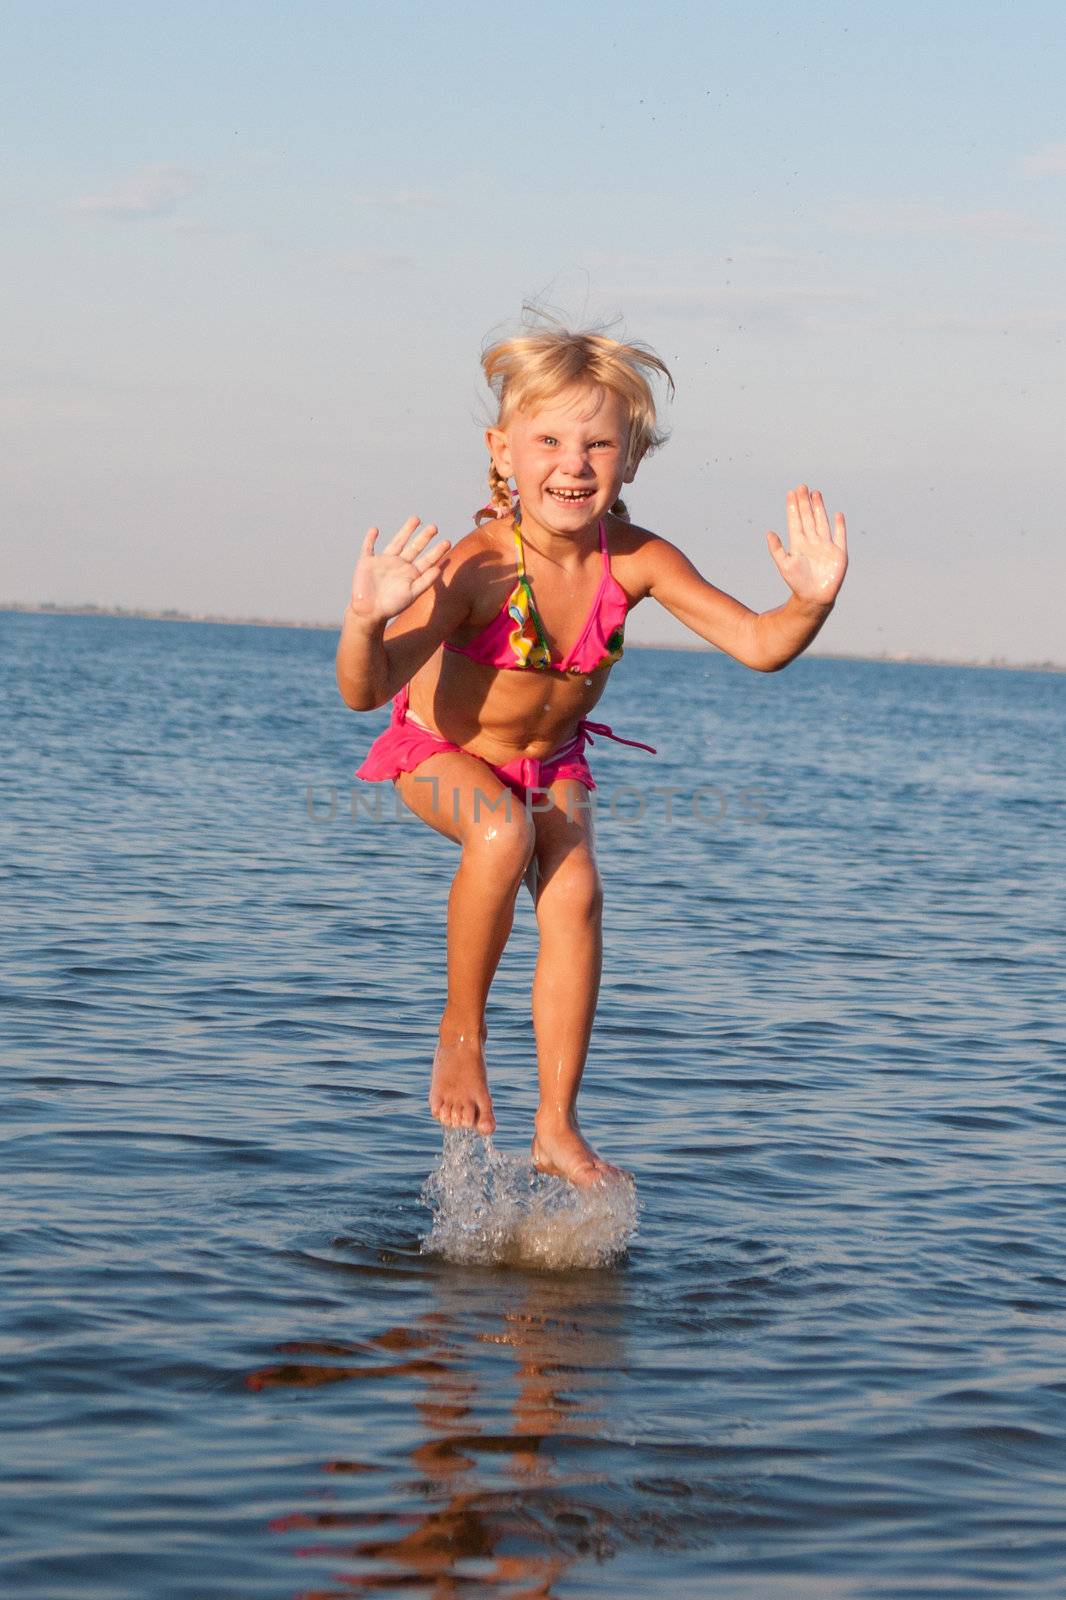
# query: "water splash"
{"points": [[495, 1209]]}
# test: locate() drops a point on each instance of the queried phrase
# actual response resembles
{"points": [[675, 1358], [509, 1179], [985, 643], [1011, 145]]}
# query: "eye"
{"points": [[602, 444], [548, 439]]}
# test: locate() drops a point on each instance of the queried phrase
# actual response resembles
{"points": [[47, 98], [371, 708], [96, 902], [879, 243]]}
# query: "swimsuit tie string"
{"points": [[589, 728]]}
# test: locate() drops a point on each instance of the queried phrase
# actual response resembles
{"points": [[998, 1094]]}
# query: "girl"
{"points": [[497, 651]]}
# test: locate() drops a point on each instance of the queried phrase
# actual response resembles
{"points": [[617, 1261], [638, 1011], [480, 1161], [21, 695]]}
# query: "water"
{"points": [[242, 1357], [494, 1210]]}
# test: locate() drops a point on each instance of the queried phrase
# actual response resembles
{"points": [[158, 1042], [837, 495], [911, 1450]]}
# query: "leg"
{"points": [[569, 901], [469, 804]]}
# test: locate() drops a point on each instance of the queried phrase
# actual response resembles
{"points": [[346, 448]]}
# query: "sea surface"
{"points": [[263, 1336]]}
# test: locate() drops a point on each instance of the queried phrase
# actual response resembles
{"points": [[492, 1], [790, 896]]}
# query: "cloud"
{"points": [[917, 218], [154, 191], [1049, 160], [398, 199]]}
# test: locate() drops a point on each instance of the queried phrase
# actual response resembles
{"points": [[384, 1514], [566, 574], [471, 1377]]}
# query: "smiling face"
{"points": [[568, 457]]}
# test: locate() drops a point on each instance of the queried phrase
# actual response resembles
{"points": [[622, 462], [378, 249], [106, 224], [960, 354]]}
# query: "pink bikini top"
{"points": [[514, 639]]}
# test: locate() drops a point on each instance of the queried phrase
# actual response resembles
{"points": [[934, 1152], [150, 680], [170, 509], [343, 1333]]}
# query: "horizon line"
{"points": [[173, 614]]}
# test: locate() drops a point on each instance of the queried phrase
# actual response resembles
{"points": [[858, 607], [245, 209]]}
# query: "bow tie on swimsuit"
{"points": [[515, 640]]}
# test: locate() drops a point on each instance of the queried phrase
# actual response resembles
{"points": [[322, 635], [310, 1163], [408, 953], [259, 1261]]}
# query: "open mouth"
{"points": [[571, 497]]}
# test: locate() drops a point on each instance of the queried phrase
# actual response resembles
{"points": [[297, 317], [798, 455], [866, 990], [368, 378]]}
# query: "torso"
{"points": [[498, 713]]}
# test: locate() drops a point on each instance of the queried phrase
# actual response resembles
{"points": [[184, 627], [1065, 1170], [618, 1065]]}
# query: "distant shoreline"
{"points": [[126, 613]]}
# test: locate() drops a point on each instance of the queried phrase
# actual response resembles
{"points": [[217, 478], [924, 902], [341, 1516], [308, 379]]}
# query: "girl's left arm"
{"points": [[813, 566]]}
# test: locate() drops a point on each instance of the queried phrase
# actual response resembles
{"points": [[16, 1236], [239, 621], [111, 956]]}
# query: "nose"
{"points": [[575, 461]]}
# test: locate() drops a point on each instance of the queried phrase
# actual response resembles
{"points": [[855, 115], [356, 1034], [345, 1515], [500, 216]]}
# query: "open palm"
{"points": [[385, 584], [816, 559]]}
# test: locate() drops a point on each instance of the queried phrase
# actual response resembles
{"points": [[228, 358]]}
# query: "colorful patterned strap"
{"points": [[530, 647]]}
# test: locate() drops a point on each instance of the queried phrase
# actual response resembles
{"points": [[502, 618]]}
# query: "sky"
{"points": [[252, 252]]}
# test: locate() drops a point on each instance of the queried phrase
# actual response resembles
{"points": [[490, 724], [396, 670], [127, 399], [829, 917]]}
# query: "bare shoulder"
{"points": [[470, 558], [478, 566], [639, 557], [480, 544]]}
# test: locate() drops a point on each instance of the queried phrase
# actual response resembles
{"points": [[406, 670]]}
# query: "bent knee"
{"points": [[503, 840], [572, 892]]}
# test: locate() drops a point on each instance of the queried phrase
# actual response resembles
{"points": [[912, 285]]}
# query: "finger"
{"points": [[778, 552], [821, 516], [398, 540], [419, 542], [433, 557], [806, 511], [795, 526], [424, 582], [368, 542], [840, 536]]}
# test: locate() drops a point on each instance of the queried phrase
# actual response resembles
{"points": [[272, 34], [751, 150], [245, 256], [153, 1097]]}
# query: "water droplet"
{"points": [[493, 1208]]}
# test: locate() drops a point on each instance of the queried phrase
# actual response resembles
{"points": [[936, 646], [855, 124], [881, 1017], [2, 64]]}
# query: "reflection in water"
{"points": [[503, 1511]]}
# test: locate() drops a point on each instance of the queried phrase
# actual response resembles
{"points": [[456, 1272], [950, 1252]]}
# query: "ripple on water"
{"points": [[829, 1041], [494, 1209]]}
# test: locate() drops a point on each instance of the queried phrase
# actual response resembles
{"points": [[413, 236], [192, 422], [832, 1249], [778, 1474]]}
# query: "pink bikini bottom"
{"points": [[406, 743]]}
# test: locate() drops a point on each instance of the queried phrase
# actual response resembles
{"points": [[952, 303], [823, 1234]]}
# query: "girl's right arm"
{"points": [[402, 579]]}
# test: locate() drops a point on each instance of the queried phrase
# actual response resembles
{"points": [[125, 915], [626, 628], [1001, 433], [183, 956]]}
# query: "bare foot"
{"points": [[459, 1087], [561, 1150]]}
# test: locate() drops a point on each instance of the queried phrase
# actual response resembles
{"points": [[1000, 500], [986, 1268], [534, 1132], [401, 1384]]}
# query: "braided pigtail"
{"points": [[500, 502], [500, 491]]}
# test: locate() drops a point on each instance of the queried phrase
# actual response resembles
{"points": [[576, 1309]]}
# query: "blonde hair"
{"points": [[538, 365]]}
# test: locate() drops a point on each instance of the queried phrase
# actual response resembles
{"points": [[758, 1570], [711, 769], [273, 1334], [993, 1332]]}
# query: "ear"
{"points": [[500, 451], [630, 473]]}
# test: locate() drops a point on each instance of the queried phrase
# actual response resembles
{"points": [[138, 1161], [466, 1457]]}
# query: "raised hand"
{"points": [[816, 560], [385, 584]]}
